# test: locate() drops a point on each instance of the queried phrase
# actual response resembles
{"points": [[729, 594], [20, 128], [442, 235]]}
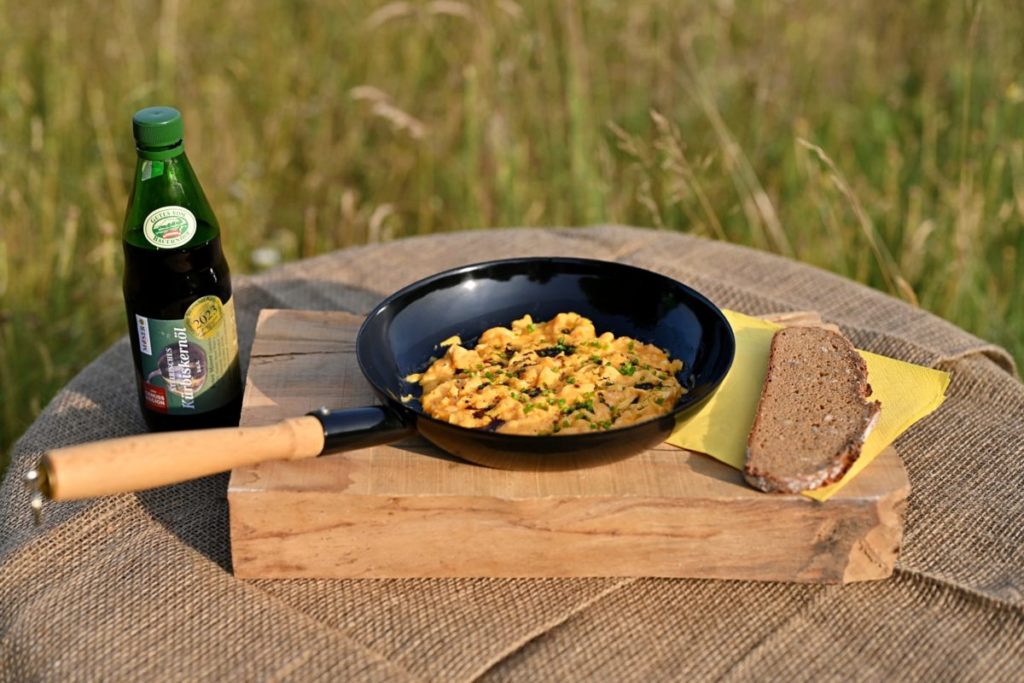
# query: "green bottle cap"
{"points": [[158, 128]]}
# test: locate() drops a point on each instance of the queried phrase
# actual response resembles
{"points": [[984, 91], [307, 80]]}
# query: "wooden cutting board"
{"points": [[409, 510]]}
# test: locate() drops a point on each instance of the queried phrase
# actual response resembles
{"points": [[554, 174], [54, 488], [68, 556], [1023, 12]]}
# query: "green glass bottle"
{"points": [[177, 287]]}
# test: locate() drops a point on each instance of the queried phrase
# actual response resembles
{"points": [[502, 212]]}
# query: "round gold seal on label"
{"points": [[204, 317]]}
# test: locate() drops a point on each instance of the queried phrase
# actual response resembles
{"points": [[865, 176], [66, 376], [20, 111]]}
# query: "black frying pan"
{"points": [[399, 337]]}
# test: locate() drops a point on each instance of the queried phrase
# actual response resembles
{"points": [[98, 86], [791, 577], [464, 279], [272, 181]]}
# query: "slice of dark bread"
{"points": [[813, 415]]}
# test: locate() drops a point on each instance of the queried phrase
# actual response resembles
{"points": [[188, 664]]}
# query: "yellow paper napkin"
{"points": [[907, 392]]}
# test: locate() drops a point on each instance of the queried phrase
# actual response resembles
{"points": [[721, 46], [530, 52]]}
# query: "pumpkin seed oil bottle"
{"points": [[177, 287]]}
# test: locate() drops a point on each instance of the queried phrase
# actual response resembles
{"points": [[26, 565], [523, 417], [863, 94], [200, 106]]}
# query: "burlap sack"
{"points": [[138, 587]]}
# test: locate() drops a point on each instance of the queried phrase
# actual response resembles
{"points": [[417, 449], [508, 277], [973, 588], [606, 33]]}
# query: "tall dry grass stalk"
{"points": [[880, 140]]}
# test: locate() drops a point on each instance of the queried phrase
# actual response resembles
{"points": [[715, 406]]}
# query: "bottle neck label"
{"points": [[169, 227]]}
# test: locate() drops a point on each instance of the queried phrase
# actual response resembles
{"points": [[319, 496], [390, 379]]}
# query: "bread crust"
{"points": [[761, 470]]}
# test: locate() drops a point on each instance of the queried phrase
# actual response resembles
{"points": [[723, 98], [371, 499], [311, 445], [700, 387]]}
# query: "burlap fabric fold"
{"points": [[139, 587]]}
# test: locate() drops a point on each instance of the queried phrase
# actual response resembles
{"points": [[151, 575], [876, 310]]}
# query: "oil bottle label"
{"points": [[190, 366], [169, 227]]}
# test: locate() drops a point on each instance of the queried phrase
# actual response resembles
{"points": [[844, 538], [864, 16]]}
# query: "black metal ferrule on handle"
{"points": [[352, 428]]}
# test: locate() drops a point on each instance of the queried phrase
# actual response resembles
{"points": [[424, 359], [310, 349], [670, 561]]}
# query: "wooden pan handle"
{"points": [[136, 463]]}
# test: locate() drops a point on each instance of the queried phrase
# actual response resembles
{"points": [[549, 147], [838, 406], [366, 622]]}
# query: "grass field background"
{"points": [[883, 141]]}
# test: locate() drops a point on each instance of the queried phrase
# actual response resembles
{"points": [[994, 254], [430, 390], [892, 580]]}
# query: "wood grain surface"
{"points": [[410, 510]]}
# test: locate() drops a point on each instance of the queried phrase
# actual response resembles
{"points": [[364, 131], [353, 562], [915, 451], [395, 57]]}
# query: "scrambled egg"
{"points": [[558, 377]]}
